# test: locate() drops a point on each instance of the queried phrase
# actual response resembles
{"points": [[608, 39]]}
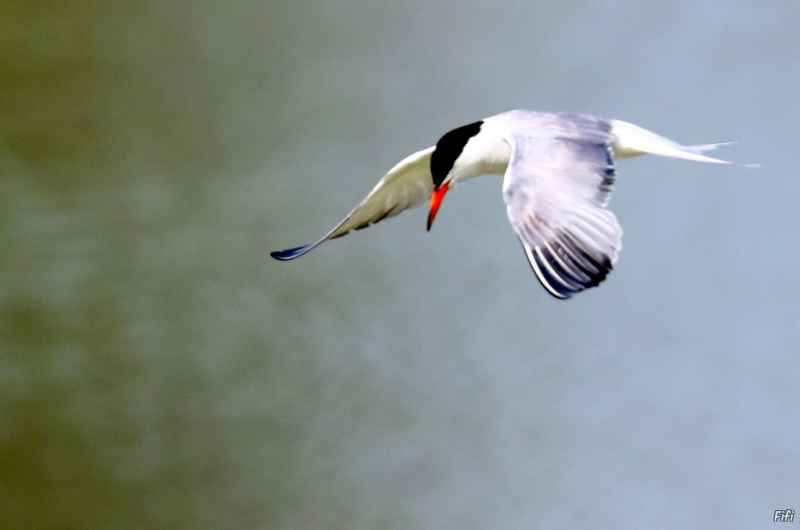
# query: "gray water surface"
{"points": [[159, 370]]}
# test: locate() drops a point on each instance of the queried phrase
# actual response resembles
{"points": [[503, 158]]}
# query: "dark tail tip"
{"points": [[291, 253]]}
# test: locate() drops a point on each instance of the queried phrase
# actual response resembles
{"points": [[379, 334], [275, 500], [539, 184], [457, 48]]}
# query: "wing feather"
{"points": [[406, 185], [556, 188]]}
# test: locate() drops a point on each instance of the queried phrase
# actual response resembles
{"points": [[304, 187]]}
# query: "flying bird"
{"points": [[558, 176]]}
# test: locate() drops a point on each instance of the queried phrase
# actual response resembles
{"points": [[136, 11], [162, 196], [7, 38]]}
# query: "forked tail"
{"points": [[631, 140]]}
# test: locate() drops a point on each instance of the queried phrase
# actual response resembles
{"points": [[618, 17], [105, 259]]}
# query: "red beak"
{"points": [[436, 201]]}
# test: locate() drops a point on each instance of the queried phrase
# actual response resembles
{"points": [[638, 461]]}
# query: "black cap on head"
{"points": [[448, 149]]}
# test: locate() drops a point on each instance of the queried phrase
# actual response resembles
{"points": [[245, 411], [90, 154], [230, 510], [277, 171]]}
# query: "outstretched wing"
{"points": [[556, 188], [406, 185]]}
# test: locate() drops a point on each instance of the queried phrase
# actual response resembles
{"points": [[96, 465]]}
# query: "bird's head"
{"points": [[443, 158]]}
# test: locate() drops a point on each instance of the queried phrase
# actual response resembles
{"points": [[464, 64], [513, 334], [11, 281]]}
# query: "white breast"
{"points": [[485, 153]]}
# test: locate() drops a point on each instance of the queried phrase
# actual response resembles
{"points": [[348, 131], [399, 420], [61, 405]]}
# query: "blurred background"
{"points": [[159, 370]]}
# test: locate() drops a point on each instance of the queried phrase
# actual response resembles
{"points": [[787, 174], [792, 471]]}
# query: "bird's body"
{"points": [[559, 173]]}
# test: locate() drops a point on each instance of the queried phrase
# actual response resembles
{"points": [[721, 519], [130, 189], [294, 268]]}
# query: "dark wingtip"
{"points": [[564, 268], [291, 253]]}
